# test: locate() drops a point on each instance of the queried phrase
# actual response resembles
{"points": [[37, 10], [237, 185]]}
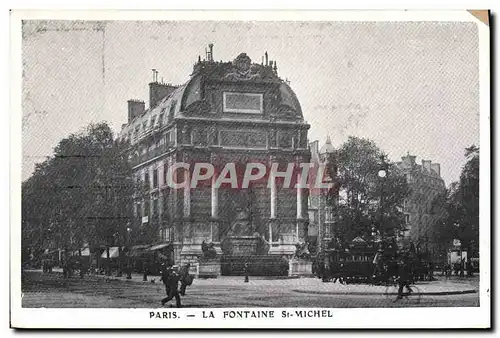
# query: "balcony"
{"points": [[149, 155]]}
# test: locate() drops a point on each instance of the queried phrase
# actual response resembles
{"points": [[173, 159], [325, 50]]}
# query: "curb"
{"points": [[431, 293]]}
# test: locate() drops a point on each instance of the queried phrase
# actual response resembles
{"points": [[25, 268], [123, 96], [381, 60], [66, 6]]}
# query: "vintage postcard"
{"points": [[250, 169]]}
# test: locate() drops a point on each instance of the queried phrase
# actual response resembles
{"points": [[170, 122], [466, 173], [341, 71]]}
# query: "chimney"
{"points": [[314, 147], [211, 52], [436, 167], [135, 108], [158, 91], [427, 165]]}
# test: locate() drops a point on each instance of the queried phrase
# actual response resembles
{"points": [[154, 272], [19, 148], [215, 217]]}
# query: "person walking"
{"points": [[185, 278], [145, 267], [171, 280], [405, 274], [470, 268]]}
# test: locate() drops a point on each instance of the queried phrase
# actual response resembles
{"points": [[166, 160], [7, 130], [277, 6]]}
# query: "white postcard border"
{"points": [[342, 318]]}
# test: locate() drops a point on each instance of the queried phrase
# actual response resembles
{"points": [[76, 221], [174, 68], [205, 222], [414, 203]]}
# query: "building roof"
{"points": [[187, 99]]}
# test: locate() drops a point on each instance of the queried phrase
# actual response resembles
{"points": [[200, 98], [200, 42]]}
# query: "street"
{"points": [[53, 291]]}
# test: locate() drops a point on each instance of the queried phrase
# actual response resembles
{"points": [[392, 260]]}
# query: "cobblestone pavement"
{"points": [[52, 290]]}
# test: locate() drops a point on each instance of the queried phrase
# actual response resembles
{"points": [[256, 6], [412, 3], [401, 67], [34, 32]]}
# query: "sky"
{"points": [[409, 86]]}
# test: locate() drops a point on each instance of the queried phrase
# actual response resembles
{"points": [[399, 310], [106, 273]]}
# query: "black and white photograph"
{"points": [[250, 169]]}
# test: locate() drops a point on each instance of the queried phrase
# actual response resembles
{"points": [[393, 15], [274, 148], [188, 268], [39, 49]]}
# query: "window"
{"points": [[165, 171], [155, 178], [146, 208], [172, 108], [168, 139], [146, 178], [153, 120], [246, 103], [160, 119], [168, 234], [407, 219], [137, 209], [155, 207]]}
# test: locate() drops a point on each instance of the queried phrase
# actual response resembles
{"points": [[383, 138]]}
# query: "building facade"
{"points": [[227, 112], [425, 185], [323, 203]]}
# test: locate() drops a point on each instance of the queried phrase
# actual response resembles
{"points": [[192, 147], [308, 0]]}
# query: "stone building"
{"points": [[323, 202], [425, 184], [227, 112]]}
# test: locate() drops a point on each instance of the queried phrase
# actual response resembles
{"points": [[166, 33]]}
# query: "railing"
{"points": [[149, 155]]}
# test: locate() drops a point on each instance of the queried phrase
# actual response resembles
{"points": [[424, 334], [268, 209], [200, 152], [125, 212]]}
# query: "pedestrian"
{"points": [[171, 280], [405, 274], [246, 272], [185, 277], [164, 276], [470, 271], [145, 269], [449, 270]]}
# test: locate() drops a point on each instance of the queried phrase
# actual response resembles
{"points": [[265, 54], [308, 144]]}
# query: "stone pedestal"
{"points": [[300, 267], [240, 245], [208, 268], [195, 233]]}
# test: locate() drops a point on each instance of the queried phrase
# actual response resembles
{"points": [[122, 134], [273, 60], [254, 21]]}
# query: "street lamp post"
{"points": [[118, 242], [457, 225], [382, 174], [129, 268]]}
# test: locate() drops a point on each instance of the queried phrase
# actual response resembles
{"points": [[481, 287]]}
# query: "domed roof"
{"points": [[289, 99], [240, 71], [188, 98], [327, 148]]}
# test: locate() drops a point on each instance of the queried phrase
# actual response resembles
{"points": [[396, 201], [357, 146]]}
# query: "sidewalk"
{"points": [[434, 288], [309, 285]]}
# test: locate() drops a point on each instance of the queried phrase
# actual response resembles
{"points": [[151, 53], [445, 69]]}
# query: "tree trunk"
{"points": [[108, 262], [119, 274], [98, 259]]}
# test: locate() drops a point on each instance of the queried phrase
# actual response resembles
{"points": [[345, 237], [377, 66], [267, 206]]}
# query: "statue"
{"points": [[243, 69], [241, 226], [186, 135], [208, 250], [302, 251], [213, 138], [263, 245]]}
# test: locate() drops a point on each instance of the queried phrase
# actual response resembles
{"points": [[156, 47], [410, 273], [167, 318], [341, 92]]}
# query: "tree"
{"points": [[460, 218], [440, 231], [367, 200], [82, 194], [464, 203]]}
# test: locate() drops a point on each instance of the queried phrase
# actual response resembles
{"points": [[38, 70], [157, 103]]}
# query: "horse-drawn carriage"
{"points": [[350, 264], [366, 262]]}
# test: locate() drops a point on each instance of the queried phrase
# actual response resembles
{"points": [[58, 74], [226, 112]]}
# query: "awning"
{"points": [[85, 252], [113, 253], [138, 250], [158, 247]]}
